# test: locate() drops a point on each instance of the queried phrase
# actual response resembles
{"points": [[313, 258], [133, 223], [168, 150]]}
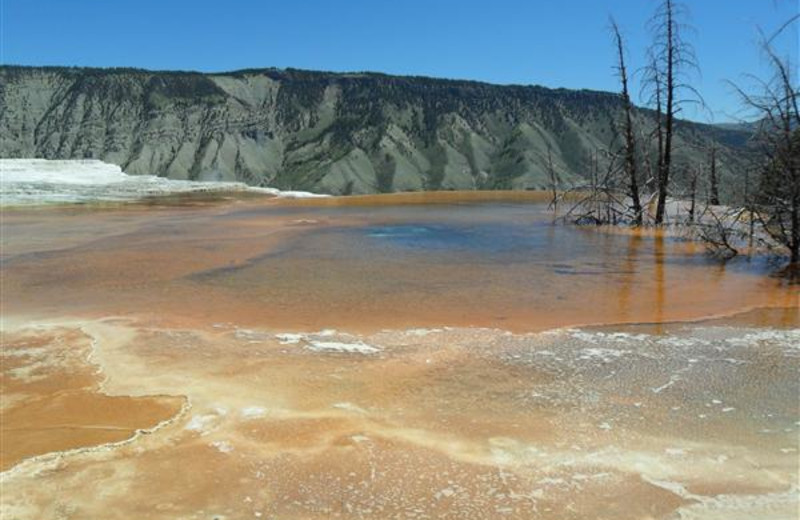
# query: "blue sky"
{"points": [[556, 43]]}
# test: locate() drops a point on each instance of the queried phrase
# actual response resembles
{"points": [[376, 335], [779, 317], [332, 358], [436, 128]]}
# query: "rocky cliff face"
{"points": [[324, 132]]}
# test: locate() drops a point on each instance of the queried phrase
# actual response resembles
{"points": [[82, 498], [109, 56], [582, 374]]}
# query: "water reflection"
{"points": [[628, 279]]}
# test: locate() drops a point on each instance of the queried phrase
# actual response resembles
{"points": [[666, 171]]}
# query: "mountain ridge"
{"points": [[339, 133], [279, 70]]}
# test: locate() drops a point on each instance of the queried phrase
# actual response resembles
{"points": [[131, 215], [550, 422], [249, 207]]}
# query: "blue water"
{"points": [[491, 238], [483, 236]]}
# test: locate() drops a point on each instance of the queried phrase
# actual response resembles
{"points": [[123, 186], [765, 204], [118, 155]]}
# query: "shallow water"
{"points": [[499, 265], [411, 361], [364, 268]]}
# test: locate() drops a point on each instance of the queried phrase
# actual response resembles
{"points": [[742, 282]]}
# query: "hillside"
{"points": [[324, 132]]}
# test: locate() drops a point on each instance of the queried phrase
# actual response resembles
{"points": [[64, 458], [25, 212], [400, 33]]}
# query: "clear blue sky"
{"points": [[556, 43]]}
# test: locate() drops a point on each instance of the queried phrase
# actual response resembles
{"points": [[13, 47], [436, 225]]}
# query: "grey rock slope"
{"points": [[324, 132]]}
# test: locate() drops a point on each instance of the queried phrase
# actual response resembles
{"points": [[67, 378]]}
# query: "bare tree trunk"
{"points": [[553, 180], [788, 160], [791, 120], [792, 164], [794, 246], [693, 200], [597, 184], [714, 190], [669, 114], [777, 203], [659, 140], [630, 141], [751, 232]]}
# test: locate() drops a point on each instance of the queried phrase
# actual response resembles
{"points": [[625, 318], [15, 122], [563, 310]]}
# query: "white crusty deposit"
{"points": [[43, 181]]}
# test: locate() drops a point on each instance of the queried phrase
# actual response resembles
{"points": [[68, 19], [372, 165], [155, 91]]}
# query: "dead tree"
{"points": [[602, 199], [551, 173], [776, 202], [671, 59], [721, 231], [669, 114], [693, 195], [630, 141], [751, 215], [655, 78], [713, 198]]}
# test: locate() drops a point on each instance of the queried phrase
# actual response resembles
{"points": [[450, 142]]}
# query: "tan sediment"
{"points": [[467, 422], [52, 400], [435, 422]]}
